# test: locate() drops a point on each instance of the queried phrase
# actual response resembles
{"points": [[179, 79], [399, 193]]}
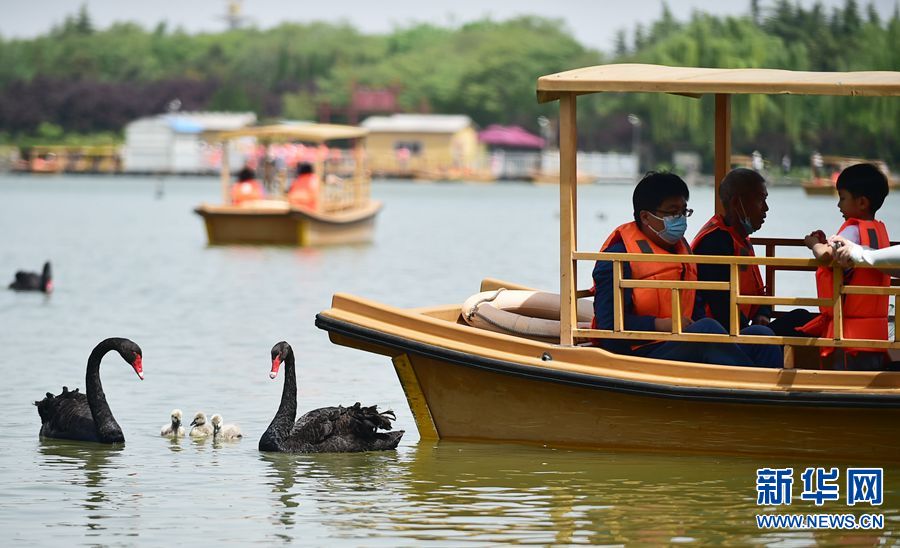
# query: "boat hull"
{"points": [[464, 383], [814, 189], [289, 226], [467, 402]]}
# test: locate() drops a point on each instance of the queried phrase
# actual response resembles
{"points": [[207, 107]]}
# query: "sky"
{"points": [[593, 22]]}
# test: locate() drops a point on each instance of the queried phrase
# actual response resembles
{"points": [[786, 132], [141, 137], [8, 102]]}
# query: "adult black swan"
{"points": [[32, 281], [74, 416], [325, 430]]}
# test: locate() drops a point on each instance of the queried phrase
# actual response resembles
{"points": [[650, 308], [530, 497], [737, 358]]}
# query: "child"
{"points": [[862, 189]]}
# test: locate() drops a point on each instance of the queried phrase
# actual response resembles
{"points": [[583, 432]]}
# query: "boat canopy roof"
{"points": [[316, 133], [698, 81]]}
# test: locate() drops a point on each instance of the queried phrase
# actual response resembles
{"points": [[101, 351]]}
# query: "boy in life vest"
{"points": [[743, 194], [862, 189], [247, 188], [304, 190], [660, 220]]}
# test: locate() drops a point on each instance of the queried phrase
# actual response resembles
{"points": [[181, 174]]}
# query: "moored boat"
{"points": [[344, 212], [824, 176], [465, 382]]}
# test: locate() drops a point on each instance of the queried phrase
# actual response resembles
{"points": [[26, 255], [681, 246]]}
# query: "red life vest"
{"points": [[865, 316], [304, 191], [655, 302], [244, 191], [749, 278]]}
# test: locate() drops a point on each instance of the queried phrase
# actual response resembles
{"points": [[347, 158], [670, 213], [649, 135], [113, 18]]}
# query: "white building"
{"points": [[173, 143]]}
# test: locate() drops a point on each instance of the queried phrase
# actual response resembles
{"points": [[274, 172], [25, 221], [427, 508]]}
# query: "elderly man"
{"points": [[660, 219], [743, 195]]}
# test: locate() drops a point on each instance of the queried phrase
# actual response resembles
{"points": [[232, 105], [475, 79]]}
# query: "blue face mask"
{"points": [[745, 221], [673, 229]]}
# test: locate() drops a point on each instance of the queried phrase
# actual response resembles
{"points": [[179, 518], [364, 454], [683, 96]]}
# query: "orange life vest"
{"points": [[304, 191], [749, 278], [244, 191], [655, 302], [865, 316]]}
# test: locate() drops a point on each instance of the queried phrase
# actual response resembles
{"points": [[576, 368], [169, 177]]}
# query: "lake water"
{"points": [[133, 264]]}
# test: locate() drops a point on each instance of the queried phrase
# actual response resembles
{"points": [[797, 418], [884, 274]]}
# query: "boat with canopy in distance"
{"points": [[518, 381], [823, 178], [344, 212]]}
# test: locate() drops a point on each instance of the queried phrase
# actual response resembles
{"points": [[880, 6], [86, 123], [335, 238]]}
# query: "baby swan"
{"points": [[201, 429], [174, 428], [225, 431]]}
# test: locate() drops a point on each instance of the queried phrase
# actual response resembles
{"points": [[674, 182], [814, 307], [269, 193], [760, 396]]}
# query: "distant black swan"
{"points": [[32, 281], [74, 416], [325, 430]]}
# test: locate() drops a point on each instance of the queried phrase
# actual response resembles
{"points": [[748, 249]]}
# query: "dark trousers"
{"points": [[786, 325], [759, 355]]}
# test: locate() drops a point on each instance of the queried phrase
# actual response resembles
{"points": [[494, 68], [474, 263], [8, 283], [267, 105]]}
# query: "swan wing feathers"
{"points": [[67, 412], [316, 425], [26, 280], [356, 421]]}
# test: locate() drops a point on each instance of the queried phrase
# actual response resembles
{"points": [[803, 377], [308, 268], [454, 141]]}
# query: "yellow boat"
{"points": [[345, 213], [465, 381], [823, 184]]}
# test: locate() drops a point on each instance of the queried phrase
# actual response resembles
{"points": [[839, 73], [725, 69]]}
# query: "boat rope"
{"points": [[474, 310]]}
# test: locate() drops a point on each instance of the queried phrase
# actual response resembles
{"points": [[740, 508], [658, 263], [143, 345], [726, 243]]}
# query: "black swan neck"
{"points": [[280, 427], [108, 429]]}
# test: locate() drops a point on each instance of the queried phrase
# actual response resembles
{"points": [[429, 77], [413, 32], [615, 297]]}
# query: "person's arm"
{"points": [[817, 242], [849, 253], [603, 297]]}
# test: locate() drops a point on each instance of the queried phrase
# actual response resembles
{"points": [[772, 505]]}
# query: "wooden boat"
{"points": [[345, 214], [468, 383], [823, 182], [543, 178]]}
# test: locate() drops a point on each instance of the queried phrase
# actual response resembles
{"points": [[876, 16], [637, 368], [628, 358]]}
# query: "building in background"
{"points": [[513, 152], [429, 146], [174, 142]]}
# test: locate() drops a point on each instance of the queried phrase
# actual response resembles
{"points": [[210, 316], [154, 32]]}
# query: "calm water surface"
{"points": [[133, 264]]}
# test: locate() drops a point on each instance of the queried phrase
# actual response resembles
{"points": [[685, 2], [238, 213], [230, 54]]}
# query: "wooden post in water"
{"points": [[568, 149], [723, 144]]}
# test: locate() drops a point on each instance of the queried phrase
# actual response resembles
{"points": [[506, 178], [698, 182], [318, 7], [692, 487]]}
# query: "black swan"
{"points": [[325, 430], [227, 432], [75, 416], [32, 281], [200, 428], [174, 428]]}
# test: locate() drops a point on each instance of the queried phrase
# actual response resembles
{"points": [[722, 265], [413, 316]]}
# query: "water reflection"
{"points": [[86, 465], [492, 494]]}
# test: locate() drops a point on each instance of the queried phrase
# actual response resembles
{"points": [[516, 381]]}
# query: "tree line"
{"points": [[78, 80]]}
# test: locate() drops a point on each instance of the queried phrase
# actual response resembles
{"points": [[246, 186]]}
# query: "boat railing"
{"points": [[620, 283], [345, 183]]}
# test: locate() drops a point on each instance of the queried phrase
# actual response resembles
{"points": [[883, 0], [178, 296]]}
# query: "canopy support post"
{"points": [[723, 144], [225, 174], [568, 239]]}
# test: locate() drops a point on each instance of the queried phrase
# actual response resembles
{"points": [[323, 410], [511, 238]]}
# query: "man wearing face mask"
{"points": [[660, 221], [743, 195]]}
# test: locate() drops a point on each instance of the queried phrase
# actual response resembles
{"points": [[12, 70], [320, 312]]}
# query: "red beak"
{"points": [[276, 363], [138, 367]]}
